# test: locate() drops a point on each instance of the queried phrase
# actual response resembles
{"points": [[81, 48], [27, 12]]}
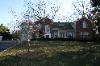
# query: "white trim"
{"points": [[49, 35]]}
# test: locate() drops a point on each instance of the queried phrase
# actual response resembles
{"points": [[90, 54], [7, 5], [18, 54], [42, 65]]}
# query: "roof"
{"points": [[84, 18], [63, 25], [44, 21], [25, 22]]}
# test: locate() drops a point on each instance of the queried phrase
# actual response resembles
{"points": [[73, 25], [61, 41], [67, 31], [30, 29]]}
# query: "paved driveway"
{"points": [[6, 44]]}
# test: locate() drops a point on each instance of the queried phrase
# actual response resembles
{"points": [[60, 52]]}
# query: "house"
{"points": [[50, 29], [26, 28], [1, 38], [84, 29], [46, 28]]}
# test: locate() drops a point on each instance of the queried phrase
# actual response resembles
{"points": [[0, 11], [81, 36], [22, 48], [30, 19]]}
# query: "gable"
{"points": [[44, 21], [84, 23]]}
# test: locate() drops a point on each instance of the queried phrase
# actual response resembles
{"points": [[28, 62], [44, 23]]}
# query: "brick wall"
{"points": [[80, 29]]}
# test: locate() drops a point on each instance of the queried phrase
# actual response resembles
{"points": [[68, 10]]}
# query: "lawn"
{"points": [[52, 53]]}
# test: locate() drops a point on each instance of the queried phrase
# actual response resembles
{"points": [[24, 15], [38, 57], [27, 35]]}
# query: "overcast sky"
{"points": [[6, 17]]}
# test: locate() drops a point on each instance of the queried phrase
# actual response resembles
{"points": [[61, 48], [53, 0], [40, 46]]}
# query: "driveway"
{"points": [[6, 44]]}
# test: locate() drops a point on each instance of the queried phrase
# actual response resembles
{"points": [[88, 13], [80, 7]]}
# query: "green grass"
{"points": [[55, 53]]}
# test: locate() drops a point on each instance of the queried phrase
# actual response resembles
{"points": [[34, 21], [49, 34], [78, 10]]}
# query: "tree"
{"points": [[41, 9], [96, 17], [38, 10], [95, 3], [3, 28], [16, 35], [82, 8], [4, 31]]}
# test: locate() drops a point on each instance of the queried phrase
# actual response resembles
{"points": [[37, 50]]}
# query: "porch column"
{"points": [[58, 33], [65, 34]]}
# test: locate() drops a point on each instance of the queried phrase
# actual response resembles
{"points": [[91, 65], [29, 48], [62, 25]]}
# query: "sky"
{"points": [[8, 8]]}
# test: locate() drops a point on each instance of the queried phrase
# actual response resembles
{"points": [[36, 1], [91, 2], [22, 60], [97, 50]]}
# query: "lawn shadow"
{"points": [[56, 59]]}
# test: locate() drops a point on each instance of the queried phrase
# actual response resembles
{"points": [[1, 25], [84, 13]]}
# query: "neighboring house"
{"points": [[1, 38], [26, 30], [63, 30], [84, 29]]}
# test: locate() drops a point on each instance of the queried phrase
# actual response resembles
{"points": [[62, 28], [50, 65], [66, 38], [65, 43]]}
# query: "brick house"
{"points": [[84, 29]]}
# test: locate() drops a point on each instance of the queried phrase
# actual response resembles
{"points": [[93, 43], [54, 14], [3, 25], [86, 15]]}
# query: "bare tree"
{"points": [[41, 9], [82, 8], [36, 10]]}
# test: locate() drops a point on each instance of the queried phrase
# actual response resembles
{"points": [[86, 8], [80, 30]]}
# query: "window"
{"points": [[47, 28], [84, 35], [61, 24], [55, 34], [62, 34], [84, 25]]}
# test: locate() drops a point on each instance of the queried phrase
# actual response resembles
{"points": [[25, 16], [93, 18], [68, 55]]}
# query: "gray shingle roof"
{"points": [[63, 25]]}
